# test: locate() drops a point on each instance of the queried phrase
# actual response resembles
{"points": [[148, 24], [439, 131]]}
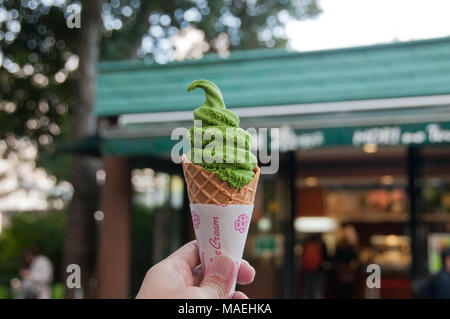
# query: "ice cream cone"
{"points": [[221, 214], [221, 208], [204, 187]]}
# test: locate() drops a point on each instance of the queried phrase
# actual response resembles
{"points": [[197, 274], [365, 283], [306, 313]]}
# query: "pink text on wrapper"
{"points": [[195, 220], [215, 240]]}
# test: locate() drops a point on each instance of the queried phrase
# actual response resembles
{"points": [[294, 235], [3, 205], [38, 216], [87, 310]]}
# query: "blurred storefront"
{"points": [[364, 159]]}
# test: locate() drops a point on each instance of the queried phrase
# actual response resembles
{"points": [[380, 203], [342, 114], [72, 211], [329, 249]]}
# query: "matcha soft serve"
{"points": [[218, 144]]}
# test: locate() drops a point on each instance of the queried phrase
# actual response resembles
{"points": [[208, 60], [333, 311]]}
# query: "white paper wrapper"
{"points": [[221, 229]]}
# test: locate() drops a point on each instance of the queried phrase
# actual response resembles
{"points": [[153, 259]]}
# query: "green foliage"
{"points": [[42, 230], [4, 292], [58, 166], [27, 79], [33, 104], [248, 23], [58, 291]]}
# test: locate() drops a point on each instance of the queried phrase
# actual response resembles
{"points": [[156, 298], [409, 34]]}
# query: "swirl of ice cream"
{"points": [[233, 162]]}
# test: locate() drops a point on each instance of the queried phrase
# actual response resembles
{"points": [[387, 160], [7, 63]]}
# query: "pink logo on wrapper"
{"points": [[241, 224], [195, 220]]}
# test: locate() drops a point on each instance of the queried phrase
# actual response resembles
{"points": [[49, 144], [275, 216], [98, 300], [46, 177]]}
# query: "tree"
{"points": [[80, 236], [47, 77], [43, 87], [44, 231], [248, 24]]}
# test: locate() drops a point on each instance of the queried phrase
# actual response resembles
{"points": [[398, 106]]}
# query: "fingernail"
{"points": [[222, 266], [248, 264]]}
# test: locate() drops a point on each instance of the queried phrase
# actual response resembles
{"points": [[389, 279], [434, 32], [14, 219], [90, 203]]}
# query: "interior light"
{"points": [[99, 216], [314, 224], [387, 180], [392, 240], [264, 224], [370, 148], [311, 181]]}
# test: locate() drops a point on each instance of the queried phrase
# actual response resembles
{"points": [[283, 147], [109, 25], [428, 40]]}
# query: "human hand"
{"points": [[180, 276]]}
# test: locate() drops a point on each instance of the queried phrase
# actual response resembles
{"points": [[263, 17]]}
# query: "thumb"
{"points": [[219, 278]]}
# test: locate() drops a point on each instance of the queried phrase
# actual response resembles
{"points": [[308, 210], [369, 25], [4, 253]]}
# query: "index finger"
{"points": [[188, 253]]}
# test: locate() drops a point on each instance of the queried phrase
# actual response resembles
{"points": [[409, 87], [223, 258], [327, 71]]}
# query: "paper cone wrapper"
{"points": [[221, 229]]}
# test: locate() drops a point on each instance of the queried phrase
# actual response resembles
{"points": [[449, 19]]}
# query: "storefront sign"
{"points": [[293, 139], [265, 244], [396, 135], [409, 134]]}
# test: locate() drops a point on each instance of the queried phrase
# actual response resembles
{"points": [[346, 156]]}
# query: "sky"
{"points": [[346, 23]]}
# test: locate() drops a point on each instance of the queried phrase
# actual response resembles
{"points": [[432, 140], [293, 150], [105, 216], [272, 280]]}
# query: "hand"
{"points": [[179, 276]]}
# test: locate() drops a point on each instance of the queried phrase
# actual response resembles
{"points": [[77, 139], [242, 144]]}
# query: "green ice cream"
{"points": [[234, 163]]}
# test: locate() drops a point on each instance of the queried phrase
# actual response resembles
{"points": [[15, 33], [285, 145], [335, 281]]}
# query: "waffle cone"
{"points": [[204, 187]]}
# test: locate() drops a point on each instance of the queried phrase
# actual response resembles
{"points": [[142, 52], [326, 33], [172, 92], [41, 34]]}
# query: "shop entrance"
{"points": [[352, 207], [358, 198]]}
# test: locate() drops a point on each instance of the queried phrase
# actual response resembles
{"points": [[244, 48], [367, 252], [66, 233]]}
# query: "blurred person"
{"points": [[346, 262], [180, 276], [438, 287], [37, 276], [313, 257]]}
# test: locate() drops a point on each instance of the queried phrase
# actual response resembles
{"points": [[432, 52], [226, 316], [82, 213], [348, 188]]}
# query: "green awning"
{"points": [[138, 146], [392, 94], [268, 77]]}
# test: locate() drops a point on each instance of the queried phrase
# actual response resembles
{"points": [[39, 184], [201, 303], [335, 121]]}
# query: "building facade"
{"points": [[364, 142]]}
